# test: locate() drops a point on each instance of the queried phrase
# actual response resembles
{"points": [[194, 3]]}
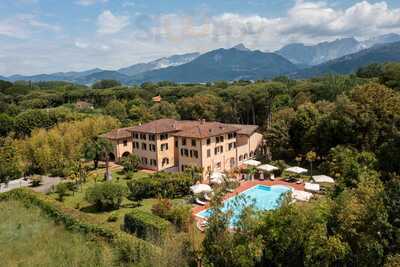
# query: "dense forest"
{"points": [[351, 122]]}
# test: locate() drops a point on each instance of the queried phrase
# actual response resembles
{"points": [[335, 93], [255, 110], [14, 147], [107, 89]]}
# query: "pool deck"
{"points": [[246, 185]]}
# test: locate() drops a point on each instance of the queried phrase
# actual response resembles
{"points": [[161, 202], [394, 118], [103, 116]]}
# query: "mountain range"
{"points": [[223, 64], [350, 63], [311, 55], [164, 62], [296, 60], [123, 75]]}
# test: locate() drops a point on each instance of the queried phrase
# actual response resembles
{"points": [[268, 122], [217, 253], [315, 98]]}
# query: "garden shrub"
{"points": [[169, 185], [146, 225], [179, 215], [72, 186], [61, 190], [130, 163], [106, 196], [162, 208], [129, 175], [112, 218]]}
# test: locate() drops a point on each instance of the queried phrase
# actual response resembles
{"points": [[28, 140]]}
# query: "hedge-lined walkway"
{"points": [[246, 185]]}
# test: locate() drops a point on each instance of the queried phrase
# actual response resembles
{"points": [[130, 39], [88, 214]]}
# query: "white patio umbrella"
{"points": [[267, 168], [252, 162], [217, 178], [297, 170], [323, 179], [200, 188]]}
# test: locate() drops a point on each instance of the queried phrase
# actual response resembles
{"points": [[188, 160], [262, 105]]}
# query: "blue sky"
{"points": [[45, 36]]}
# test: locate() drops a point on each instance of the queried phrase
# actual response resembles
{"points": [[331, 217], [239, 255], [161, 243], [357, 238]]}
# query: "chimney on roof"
{"points": [[202, 121]]}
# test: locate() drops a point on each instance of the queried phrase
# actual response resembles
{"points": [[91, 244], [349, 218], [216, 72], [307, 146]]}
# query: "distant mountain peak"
{"points": [[350, 63], [382, 39], [311, 55], [222, 64], [241, 47], [160, 63]]}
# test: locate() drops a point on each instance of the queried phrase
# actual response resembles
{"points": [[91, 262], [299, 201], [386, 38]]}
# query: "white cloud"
{"points": [[80, 44], [306, 21], [90, 2], [129, 4], [24, 25], [104, 47], [108, 23], [149, 37]]}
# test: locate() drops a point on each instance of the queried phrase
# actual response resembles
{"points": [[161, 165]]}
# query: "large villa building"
{"points": [[173, 145]]}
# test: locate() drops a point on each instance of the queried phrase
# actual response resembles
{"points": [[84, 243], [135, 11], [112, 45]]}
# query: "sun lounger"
{"points": [[201, 225], [199, 202], [311, 187], [291, 180], [301, 195]]}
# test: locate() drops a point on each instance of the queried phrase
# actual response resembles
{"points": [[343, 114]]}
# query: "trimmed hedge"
{"points": [[130, 248], [146, 225], [168, 185]]}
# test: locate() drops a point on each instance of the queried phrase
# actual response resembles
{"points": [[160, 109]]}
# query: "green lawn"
{"points": [[77, 200], [28, 238]]}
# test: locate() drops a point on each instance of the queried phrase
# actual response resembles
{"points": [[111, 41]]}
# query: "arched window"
{"points": [[111, 157]]}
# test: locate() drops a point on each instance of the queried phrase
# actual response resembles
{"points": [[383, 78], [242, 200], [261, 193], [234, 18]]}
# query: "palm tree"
{"points": [[98, 149], [106, 148], [311, 156]]}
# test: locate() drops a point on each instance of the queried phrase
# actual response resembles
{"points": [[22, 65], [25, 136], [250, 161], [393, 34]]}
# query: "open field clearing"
{"points": [[28, 238]]}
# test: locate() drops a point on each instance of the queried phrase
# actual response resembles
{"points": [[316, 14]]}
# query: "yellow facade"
{"points": [[167, 151]]}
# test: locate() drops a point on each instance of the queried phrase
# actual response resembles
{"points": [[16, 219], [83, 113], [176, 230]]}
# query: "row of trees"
{"points": [[55, 151]]}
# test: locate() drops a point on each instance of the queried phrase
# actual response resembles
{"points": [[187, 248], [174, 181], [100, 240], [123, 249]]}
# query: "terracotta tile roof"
{"points": [[245, 128], [157, 99], [185, 128], [118, 134], [206, 129], [83, 104], [157, 126]]}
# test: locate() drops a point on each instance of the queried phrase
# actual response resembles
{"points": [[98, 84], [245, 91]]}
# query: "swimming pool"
{"points": [[263, 197]]}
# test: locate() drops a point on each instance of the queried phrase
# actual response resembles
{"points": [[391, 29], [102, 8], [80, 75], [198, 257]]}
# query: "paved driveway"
{"points": [[45, 186]]}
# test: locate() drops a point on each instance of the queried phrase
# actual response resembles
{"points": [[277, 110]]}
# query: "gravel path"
{"points": [[45, 186]]}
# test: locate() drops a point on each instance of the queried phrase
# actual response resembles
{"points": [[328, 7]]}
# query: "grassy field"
{"points": [[28, 238]]}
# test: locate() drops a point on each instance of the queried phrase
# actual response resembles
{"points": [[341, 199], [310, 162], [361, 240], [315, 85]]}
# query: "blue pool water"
{"points": [[263, 198]]}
